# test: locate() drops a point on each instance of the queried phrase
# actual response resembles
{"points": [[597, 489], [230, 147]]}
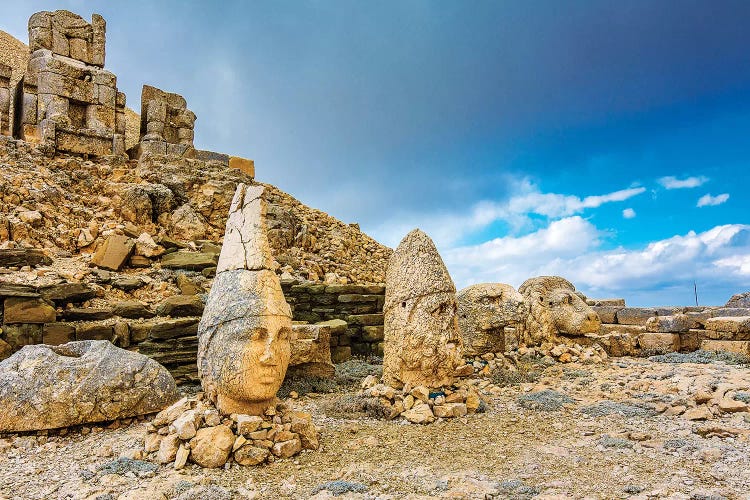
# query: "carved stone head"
{"points": [[422, 344], [555, 308], [484, 310], [244, 334]]}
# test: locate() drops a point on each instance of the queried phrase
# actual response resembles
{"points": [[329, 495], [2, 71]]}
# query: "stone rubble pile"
{"points": [[420, 404], [192, 430]]}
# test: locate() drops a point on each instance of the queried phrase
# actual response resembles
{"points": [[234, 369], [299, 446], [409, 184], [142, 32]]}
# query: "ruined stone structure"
{"points": [[166, 124], [555, 308], [6, 95], [484, 311], [422, 344], [70, 102], [244, 334]]}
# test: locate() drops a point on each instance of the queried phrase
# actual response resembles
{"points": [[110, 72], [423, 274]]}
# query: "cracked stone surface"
{"points": [[245, 240], [48, 387], [422, 341], [244, 334]]}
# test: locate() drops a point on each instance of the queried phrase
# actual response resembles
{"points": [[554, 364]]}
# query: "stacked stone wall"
{"points": [[652, 330], [166, 331], [361, 306]]}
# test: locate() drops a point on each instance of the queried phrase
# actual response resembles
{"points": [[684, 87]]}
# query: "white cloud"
{"points": [[671, 182], [516, 211], [710, 201], [628, 213], [718, 259]]}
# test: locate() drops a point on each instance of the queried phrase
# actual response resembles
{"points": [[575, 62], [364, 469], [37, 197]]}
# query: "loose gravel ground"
{"points": [[616, 432]]}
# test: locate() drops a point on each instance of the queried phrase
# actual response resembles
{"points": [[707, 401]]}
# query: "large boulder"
{"points": [[47, 387], [739, 300]]}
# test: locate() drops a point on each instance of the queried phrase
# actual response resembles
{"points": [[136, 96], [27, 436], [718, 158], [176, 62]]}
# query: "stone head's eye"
{"points": [[283, 334], [568, 299], [541, 299], [403, 304], [258, 334]]}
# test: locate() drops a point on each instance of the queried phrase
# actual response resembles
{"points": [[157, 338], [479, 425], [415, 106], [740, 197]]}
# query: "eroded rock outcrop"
{"points": [[555, 308], [422, 344], [47, 387], [244, 345]]}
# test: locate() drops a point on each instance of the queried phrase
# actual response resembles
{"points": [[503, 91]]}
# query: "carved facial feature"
{"points": [[254, 361], [437, 352]]}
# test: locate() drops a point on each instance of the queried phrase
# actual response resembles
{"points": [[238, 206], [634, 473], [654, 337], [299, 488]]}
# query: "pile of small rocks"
{"points": [[193, 430], [485, 364], [707, 404], [569, 352], [421, 405]]}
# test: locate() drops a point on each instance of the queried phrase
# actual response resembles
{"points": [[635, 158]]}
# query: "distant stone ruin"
{"points": [[166, 124], [5, 98], [67, 102], [70, 102]]}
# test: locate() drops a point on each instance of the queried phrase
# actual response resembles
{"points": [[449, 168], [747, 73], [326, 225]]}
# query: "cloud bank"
{"points": [[717, 259], [711, 201], [671, 182]]}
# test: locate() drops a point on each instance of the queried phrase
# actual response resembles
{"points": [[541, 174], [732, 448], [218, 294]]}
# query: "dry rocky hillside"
{"points": [[69, 205]]}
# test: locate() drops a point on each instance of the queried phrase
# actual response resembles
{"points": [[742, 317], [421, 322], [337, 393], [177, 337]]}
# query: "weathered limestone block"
{"points": [[635, 315], [47, 387], [555, 309], [607, 314], [70, 101], [733, 346], [739, 300], [27, 310], [737, 324], [242, 164], [195, 261], [484, 310], [244, 334], [5, 99], [311, 351], [422, 343], [58, 333], [619, 303], [659, 343], [245, 226], [165, 123], [114, 252], [674, 324]]}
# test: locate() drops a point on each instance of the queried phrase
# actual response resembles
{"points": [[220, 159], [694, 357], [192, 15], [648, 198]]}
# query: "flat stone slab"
{"points": [[734, 324], [18, 257], [68, 292], [635, 315], [194, 261], [733, 346], [115, 251]]}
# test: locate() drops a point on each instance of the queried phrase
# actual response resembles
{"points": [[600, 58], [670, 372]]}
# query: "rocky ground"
{"points": [[623, 428]]}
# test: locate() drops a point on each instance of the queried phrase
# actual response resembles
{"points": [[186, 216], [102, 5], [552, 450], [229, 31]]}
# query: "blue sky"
{"points": [[604, 141]]}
